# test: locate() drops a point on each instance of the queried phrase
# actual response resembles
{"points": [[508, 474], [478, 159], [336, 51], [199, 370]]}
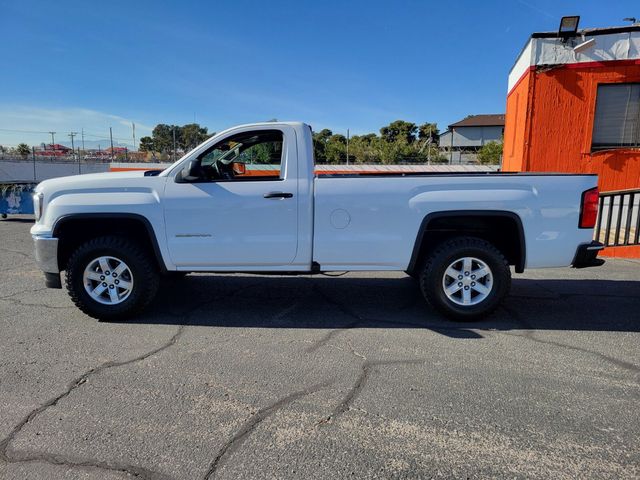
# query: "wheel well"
{"points": [[75, 230], [501, 229]]}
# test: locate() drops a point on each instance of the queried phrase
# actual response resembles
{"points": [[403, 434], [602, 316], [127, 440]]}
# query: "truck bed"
{"points": [[370, 221]]}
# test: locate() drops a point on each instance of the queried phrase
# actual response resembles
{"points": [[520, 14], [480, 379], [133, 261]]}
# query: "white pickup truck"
{"points": [[248, 200]]}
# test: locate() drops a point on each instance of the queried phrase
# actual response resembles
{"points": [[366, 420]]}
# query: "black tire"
{"points": [[432, 280], [142, 268]]}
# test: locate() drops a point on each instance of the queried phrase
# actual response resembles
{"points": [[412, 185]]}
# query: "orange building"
{"points": [[573, 105]]}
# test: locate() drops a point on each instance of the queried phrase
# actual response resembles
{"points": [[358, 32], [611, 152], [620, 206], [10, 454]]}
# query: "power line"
{"points": [[93, 135], [20, 131]]}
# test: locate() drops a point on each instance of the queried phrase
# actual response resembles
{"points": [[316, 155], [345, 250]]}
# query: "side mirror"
{"points": [[239, 168], [192, 172]]}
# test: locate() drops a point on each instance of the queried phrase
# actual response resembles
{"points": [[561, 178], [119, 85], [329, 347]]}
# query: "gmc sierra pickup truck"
{"points": [[248, 200]]}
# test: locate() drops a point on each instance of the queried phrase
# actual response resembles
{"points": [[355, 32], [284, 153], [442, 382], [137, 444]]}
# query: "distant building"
{"points": [[573, 105], [52, 150], [116, 151], [462, 140]]}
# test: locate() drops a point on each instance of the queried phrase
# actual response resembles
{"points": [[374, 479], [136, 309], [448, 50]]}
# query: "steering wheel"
{"points": [[224, 170]]}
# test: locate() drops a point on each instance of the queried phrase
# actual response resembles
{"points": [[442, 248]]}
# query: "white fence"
{"points": [[28, 170]]}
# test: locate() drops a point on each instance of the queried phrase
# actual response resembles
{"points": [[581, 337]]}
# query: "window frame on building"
{"points": [[616, 124]]}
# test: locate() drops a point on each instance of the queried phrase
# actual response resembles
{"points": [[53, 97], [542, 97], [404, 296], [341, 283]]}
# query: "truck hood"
{"points": [[92, 180]]}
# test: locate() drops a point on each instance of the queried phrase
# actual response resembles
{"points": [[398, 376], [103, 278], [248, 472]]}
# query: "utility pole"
{"points": [[52, 139], [429, 140], [451, 148], [83, 150], [33, 156], [111, 138], [134, 135], [71, 135], [347, 146]]}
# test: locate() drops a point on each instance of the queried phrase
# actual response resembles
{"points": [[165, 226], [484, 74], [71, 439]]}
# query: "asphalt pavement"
{"points": [[244, 376]]}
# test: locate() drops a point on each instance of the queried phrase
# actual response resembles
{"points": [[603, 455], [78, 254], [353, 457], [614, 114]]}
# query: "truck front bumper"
{"points": [[587, 255], [46, 253]]}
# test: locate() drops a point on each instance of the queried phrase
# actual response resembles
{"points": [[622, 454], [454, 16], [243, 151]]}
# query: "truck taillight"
{"points": [[589, 208]]}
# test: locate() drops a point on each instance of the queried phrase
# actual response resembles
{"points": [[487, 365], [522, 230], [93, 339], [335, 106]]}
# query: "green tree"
{"points": [[361, 148], [490, 153], [146, 144], [162, 136], [23, 150], [186, 137], [336, 149], [399, 131], [192, 134], [428, 131], [320, 144]]}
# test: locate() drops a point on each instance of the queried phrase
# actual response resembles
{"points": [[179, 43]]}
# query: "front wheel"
{"points": [[111, 278], [465, 278]]}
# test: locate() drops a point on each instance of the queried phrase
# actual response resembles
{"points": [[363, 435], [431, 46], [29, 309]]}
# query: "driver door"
{"points": [[241, 214]]}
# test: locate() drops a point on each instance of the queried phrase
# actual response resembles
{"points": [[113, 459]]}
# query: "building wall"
{"points": [[471, 136], [515, 128], [549, 123], [444, 140]]}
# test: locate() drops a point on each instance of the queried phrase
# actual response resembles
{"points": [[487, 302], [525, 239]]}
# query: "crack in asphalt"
{"points": [[332, 333], [61, 460], [132, 470], [358, 320], [530, 335], [367, 367], [236, 440], [240, 436], [17, 252], [56, 459], [15, 301], [34, 290]]}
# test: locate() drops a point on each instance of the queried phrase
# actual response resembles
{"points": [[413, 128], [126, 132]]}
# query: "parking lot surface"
{"points": [[243, 376]]}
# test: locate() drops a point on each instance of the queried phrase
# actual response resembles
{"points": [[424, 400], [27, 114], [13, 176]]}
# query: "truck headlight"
{"points": [[37, 205]]}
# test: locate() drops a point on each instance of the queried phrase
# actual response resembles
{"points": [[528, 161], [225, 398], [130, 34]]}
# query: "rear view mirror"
{"points": [[191, 171], [239, 168]]}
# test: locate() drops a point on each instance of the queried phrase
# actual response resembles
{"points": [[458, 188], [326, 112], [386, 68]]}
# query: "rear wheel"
{"points": [[465, 278], [111, 278]]}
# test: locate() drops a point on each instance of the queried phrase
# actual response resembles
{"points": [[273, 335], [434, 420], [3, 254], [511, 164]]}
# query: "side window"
{"points": [[251, 156]]}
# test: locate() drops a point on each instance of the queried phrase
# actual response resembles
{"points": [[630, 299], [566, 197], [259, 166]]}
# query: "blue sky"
{"points": [[334, 64]]}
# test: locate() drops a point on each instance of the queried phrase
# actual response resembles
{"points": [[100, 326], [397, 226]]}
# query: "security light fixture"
{"points": [[568, 27], [630, 19]]}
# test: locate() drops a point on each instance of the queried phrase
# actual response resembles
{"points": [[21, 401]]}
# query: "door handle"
{"points": [[278, 195]]}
